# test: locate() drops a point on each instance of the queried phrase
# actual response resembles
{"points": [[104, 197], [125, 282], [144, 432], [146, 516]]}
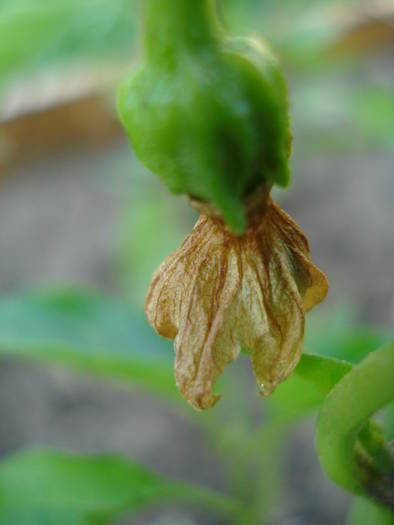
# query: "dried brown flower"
{"points": [[219, 293]]}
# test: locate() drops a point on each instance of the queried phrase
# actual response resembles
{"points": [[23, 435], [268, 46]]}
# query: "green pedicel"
{"points": [[207, 113]]}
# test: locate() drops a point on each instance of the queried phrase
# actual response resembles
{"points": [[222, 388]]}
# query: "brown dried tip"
{"points": [[219, 293]]}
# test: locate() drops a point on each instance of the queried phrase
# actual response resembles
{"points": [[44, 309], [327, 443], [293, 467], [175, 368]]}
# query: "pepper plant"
{"points": [[209, 115]]}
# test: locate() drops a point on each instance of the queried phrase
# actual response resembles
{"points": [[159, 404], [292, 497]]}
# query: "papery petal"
{"points": [[275, 356], [172, 282], [188, 298], [311, 282], [203, 347], [219, 292], [289, 285]]}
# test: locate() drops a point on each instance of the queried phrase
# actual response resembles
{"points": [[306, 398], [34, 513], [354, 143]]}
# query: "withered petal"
{"points": [[311, 282], [202, 348], [276, 352], [187, 300], [219, 292], [173, 279]]}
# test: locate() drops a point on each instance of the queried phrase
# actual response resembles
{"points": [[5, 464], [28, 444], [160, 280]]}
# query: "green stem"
{"points": [[172, 26], [353, 463], [265, 489]]}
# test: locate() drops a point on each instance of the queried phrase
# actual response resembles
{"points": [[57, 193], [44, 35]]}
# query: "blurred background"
{"points": [[76, 208]]}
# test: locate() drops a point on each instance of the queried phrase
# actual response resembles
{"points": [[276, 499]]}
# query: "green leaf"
{"points": [[372, 110], [322, 372], [294, 399], [166, 522], [57, 487], [46, 33], [306, 389], [364, 512], [88, 332], [38, 516], [337, 334]]}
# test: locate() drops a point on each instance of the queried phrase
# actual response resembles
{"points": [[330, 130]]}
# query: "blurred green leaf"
{"points": [[337, 334], [46, 486], [294, 399], [89, 332], [37, 516], [55, 483], [372, 111], [43, 32], [322, 372], [306, 389], [364, 511], [177, 522], [342, 115]]}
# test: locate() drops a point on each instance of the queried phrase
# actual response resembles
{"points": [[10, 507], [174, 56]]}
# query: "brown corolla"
{"points": [[218, 293]]}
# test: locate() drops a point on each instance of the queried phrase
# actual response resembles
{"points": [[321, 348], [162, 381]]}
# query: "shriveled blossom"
{"points": [[218, 293]]}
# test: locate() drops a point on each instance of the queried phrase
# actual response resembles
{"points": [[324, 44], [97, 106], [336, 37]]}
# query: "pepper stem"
{"points": [[170, 26]]}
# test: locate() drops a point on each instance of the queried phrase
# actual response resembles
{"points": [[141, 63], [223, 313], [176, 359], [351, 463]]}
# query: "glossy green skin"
{"points": [[209, 115]]}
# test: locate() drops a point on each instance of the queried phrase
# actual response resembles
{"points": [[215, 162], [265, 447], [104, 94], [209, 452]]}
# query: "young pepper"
{"points": [[205, 112], [209, 115]]}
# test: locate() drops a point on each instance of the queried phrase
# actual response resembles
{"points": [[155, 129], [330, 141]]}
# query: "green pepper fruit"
{"points": [[207, 113]]}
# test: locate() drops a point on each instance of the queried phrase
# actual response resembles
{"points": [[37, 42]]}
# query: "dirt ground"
{"points": [[59, 224]]}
